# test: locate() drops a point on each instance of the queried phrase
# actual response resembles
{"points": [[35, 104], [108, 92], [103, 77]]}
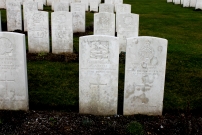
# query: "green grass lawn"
{"points": [[56, 84]]}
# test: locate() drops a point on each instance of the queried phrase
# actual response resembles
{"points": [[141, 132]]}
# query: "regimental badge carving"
{"points": [[38, 18], [99, 50], [6, 47]]}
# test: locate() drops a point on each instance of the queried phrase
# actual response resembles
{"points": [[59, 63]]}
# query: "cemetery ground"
{"points": [[53, 81]]}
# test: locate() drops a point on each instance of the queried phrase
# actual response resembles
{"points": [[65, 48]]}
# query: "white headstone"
{"points": [[121, 8], [116, 2], [198, 4], [27, 8], [182, 1], [54, 3], [0, 21], [169, 0], [145, 75], [104, 24], [186, 3], [128, 27], [109, 2], [177, 2], [3, 4], [13, 73], [98, 75], [40, 4], [79, 17], [86, 3], [94, 5], [193, 3], [106, 8], [76, 1], [61, 6], [49, 2], [62, 33], [38, 32], [14, 17]]}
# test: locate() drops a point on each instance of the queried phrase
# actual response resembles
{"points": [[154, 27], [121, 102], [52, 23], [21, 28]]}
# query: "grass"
{"points": [[56, 84]]}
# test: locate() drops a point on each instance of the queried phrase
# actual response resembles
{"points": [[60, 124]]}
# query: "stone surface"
{"points": [[27, 8], [104, 24], [14, 17], [169, 0], [94, 5], [49, 2], [177, 2], [86, 4], [121, 8], [182, 1], [3, 4], [38, 32], [62, 32], [128, 27], [145, 75], [0, 22], [109, 1], [198, 4], [186, 3], [98, 75], [106, 8], [61, 6], [78, 15], [40, 4], [13, 73], [193, 3], [54, 3]]}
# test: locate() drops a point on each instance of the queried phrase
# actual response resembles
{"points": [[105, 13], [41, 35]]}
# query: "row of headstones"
{"points": [[188, 3], [98, 74], [62, 36]]}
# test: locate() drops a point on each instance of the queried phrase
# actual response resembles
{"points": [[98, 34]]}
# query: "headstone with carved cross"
{"points": [[38, 32], [98, 74], [78, 17], [13, 73], [62, 32], [14, 17], [104, 24], [145, 75]]}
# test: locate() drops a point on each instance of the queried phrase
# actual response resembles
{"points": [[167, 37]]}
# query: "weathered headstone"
{"points": [[49, 2], [169, 0], [3, 4], [94, 5], [38, 32], [14, 17], [78, 15], [86, 3], [0, 22], [40, 4], [145, 75], [177, 2], [13, 73], [193, 3], [186, 3], [128, 27], [106, 8], [27, 8], [121, 8], [99, 62], [109, 2], [61, 6], [54, 3], [198, 4], [62, 32], [104, 24]]}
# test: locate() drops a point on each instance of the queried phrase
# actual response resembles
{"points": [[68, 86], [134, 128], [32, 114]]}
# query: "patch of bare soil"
{"points": [[70, 123]]}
